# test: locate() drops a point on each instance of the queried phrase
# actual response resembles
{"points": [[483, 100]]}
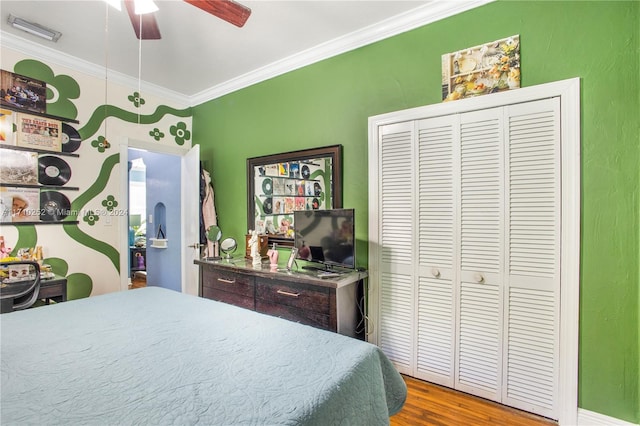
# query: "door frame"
{"points": [[569, 93], [190, 228], [123, 224]]}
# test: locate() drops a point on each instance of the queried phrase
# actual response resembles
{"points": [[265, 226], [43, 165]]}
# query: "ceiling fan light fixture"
{"points": [[143, 7], [115, 4], [33, 28]]}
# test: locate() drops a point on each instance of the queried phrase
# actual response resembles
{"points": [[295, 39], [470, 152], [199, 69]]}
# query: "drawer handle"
{"points": [[286, 293], [222, 280]]}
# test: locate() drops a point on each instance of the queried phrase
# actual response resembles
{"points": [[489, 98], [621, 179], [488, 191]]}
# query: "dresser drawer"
{"points": [[315, 319], [228, 281], [228, 287], [230, 298], [49, 291], [303, 297]]}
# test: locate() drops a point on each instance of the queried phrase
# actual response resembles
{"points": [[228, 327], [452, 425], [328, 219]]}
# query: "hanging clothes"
{"points": [[209, 213], [203, 194]]}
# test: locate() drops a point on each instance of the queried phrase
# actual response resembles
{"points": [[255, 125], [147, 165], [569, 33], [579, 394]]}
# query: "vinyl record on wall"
{"points": [[305, 172], [267, 186], [267, 206], [53, 171], [70, 138], [54, 206]]}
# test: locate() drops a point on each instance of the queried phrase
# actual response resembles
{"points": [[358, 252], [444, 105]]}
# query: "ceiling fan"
{"points": [[146, 27]]}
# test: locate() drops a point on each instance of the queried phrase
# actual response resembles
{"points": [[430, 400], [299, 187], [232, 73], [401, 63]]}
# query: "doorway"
{"points": [[171, 208], [162, 215], [137, 221]]}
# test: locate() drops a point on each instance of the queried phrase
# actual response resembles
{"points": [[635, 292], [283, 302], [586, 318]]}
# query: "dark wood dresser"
{"points": [[327, 303]]}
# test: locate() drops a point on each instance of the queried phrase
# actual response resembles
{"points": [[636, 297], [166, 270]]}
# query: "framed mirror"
{"points": [[278, 185]]}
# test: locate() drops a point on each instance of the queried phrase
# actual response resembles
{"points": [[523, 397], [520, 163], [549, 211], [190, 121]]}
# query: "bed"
{"points": [[154, 356]]}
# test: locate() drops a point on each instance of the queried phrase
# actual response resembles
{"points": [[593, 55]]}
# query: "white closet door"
{"points": [[437, 180], [396, 237], [474, 245], [532, 289], [479, 345]]}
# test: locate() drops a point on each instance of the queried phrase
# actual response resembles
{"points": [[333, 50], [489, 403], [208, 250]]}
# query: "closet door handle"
{"points": [[435, 272], [479, 278]]}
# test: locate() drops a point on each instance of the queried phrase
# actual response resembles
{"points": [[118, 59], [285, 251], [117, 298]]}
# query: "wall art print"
{"points": [[480, 70]]}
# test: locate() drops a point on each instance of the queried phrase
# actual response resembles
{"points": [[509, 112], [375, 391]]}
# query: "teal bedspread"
{"points": [[156, 357]]}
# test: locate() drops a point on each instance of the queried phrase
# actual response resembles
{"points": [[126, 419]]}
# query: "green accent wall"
{"points": [[329, 103]]}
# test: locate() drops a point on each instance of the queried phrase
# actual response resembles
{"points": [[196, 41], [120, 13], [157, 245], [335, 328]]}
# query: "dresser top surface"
{"points": [[244, 266]]}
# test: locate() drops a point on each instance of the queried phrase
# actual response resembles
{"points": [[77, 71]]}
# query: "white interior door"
{"points": [[395, 239], [479, 342], [437, 248], [532, 288], [190, 198]]}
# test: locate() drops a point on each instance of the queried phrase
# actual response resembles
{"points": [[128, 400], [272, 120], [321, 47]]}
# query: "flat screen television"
{"points": [[326, 237]]}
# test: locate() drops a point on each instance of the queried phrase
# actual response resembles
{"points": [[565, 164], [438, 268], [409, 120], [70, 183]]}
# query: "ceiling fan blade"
{"points": [[230, 11], [149, 29]]}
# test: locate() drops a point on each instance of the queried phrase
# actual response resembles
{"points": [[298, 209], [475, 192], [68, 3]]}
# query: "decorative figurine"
{"points": [[270, 228], [273, 257], [255, 253]]}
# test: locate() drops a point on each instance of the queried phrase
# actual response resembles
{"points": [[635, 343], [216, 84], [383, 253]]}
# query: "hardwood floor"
{"points": [[429, 404], [138, 281]]}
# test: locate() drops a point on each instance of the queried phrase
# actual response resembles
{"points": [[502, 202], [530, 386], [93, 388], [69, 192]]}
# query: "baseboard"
{"points": [[590, 418]]}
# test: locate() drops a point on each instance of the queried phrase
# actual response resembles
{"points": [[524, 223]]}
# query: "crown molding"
{"points": [[433, 11], [52, 56]]}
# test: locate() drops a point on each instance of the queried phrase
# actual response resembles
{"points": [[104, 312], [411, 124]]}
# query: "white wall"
{"points": [[91, 251]]}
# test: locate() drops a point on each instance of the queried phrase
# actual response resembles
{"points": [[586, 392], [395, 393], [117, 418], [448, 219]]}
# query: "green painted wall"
{"points": [[329, 103]]}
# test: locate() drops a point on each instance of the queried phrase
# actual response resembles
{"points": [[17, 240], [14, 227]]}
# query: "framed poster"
{"points": [[281, 184]]}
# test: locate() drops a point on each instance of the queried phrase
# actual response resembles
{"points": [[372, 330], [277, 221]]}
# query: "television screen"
{"points": [[326, 236]]}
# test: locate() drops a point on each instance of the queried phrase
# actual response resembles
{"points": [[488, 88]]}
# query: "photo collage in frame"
{"points": [[283, 188]]}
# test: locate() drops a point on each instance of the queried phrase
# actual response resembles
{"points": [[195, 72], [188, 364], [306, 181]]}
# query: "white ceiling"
{"points": [[200, 56]]}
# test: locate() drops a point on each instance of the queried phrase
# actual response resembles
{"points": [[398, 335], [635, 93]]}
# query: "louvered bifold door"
{"points": [[437, 180], [479, 346], [533, 282], [396, 237]]}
